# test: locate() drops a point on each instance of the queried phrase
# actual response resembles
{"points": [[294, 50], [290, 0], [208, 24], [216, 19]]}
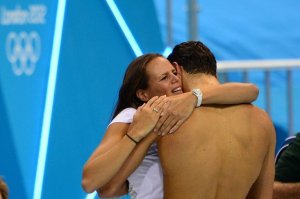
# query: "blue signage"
{"points": [[26, 36]]}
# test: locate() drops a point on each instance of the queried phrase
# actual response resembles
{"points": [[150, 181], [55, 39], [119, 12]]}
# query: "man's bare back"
{"points": [[220, 153]]}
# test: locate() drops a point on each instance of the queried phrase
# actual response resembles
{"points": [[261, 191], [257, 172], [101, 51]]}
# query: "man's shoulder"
{"points": [[261, 115], [254, 111], [258, 117], [237, 108], [264, 122]]}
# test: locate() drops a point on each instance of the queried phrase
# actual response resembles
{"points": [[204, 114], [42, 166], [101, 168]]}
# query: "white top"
{"points": [[125, 116], [146, 182]]}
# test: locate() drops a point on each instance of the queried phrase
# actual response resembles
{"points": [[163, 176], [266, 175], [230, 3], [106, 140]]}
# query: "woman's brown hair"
{"points": [[135, 78]]}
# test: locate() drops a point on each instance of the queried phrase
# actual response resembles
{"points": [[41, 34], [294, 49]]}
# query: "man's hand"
{"points": [[177, 109]]}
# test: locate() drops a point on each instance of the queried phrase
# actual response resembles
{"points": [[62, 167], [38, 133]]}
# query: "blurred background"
{"points": [[62, 62]]}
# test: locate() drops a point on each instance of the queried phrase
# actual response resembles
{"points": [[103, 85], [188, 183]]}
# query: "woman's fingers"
{"points": [[156, 103], [151, 101]]}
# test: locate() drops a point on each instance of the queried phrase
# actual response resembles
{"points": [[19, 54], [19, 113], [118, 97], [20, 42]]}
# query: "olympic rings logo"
{"points": [[23, 51]]}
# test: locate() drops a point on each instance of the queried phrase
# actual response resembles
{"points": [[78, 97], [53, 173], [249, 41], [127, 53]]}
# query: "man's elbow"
{"points": [[255, 91]]}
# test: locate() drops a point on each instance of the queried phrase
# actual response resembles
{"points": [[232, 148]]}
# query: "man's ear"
{"points": [[142, 95], [177, 67]]}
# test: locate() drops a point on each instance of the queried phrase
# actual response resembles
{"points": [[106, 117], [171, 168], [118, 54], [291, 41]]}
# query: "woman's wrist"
{"points": [[134, 135], [132, 139]]}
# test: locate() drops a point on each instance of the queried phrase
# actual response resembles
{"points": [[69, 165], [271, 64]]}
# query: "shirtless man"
{"points": [[222, 151]]}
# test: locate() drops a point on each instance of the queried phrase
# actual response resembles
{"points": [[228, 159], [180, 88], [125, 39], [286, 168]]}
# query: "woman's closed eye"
{"points": [[163, 78], [168, 75]]}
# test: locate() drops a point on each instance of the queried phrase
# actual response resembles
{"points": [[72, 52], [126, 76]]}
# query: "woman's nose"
{"points": [[175, 78]]}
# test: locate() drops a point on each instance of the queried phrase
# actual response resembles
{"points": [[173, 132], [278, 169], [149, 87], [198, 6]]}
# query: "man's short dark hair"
{"points": [[194, 57]]}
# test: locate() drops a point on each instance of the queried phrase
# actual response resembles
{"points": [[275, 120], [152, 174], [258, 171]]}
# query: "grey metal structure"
{"points": [[224, 67], [169, 13], [193, 10]]}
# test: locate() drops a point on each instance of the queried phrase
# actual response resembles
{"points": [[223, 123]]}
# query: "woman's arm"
{"points": [[107, 158], [117, 144], [115, 187]]}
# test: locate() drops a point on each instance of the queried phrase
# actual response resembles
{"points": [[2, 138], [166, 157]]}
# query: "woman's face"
{"points": [[163, 78]]}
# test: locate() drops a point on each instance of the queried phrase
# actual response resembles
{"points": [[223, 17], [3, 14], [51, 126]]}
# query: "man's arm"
{"points": [[287, 182], [263, 186], [286, 190], [230, 93], [180, 107]]}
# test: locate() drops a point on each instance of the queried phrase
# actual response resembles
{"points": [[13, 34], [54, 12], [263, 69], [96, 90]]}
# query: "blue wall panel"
{"points": [[93, 57], [26, 34], [9, 166], [141, 17]]}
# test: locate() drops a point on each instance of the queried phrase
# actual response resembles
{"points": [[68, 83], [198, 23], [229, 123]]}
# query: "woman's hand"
{"points": [[117, 156], [146, 117], [177, 109]]}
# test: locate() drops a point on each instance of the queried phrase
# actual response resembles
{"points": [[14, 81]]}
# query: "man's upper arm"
{"points": [[286, 190], [263, 186]]}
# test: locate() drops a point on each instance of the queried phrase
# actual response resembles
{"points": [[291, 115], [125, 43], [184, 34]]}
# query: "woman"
{"points": [[127, 152]]}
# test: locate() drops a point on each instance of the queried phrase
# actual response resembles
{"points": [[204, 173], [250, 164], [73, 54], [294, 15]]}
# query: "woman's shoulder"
{"points": [[125, 116]]}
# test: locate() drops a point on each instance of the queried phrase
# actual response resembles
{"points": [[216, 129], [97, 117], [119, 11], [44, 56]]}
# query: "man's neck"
{"points": [[198, 81]]}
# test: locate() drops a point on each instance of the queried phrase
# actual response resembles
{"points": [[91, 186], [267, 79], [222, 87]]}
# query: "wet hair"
{"points": [[135, 78], [194, 57], [3, 189]]}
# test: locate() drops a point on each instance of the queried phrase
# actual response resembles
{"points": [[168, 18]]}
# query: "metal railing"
{"points": [[267, 66], [224, 67]]}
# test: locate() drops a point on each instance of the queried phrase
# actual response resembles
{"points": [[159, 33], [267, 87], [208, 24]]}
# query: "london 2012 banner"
{"points": [[26, 37]]}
